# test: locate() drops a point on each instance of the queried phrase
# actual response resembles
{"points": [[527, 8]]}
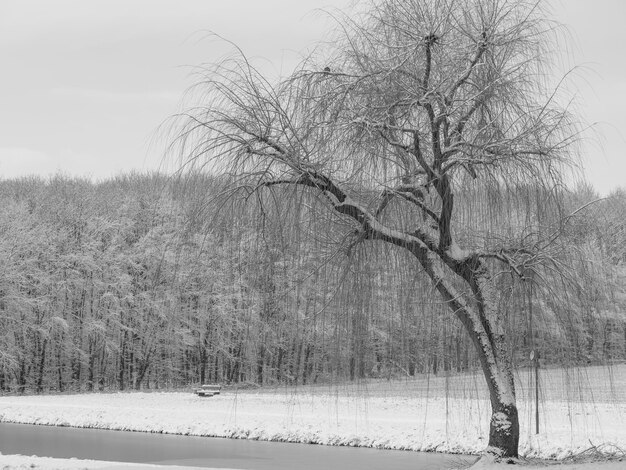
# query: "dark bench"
{"points": [[208, 390]]}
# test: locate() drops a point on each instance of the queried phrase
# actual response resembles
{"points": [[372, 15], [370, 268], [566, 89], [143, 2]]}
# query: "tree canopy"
{"points": [[413, 109]]}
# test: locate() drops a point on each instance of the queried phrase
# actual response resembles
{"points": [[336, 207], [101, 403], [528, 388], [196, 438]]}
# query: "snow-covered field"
{"points": [[23, 462], [579, 408]]}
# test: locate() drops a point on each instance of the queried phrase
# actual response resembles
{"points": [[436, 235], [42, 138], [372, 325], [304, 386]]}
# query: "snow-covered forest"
{"points": [[149, 282]]}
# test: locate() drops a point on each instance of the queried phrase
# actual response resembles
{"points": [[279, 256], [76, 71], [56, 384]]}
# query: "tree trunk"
{"points": [[504, 430], [122, 363], [42, 364], [102, 369], [60, 383], [279, 364], [504, 424], [90, 365], [203, 365], [260, 363], [483, 325], [484, 330]]}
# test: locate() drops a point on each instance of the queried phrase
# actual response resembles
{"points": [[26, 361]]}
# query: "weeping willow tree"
{"points": [[412, 103]]}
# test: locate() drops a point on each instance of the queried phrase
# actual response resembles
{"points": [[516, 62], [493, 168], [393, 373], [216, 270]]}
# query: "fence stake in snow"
{"points": [[534, 357]]}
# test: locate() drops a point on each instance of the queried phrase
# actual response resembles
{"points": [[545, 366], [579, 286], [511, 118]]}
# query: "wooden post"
{"points": [[534, 357]]}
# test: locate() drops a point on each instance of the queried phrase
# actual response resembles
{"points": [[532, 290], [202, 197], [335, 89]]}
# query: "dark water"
{"points": [[164, 449]]}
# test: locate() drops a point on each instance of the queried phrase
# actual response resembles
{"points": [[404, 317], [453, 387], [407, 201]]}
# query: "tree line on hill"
{"points": [[143, 281]]}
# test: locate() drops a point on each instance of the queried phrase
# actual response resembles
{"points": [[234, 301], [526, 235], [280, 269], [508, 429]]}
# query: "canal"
{"points": [[167, 449]]}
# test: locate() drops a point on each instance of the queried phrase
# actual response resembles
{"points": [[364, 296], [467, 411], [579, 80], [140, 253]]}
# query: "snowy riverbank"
{"points": [[20, 462], [393, 415], [23, 462]]}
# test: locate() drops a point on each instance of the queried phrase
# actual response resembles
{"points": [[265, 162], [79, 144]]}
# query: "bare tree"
{"points": [[412, 101]]}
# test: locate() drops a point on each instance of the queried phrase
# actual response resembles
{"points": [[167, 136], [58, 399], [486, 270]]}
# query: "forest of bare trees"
{"points": [[138, 283]]}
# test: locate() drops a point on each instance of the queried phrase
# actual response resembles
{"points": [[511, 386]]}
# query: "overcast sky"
{"points": [[84, 84]]}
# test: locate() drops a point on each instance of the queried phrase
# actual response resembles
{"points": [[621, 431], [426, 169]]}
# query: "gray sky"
{"points": [[85, 83]]}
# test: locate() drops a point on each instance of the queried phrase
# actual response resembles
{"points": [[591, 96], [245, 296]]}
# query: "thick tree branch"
{"points": [[462, 80], [409, 193]]}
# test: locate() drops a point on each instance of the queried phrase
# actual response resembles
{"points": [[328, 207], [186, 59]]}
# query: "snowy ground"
{"points": [[579, 408], [21, 462]]}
